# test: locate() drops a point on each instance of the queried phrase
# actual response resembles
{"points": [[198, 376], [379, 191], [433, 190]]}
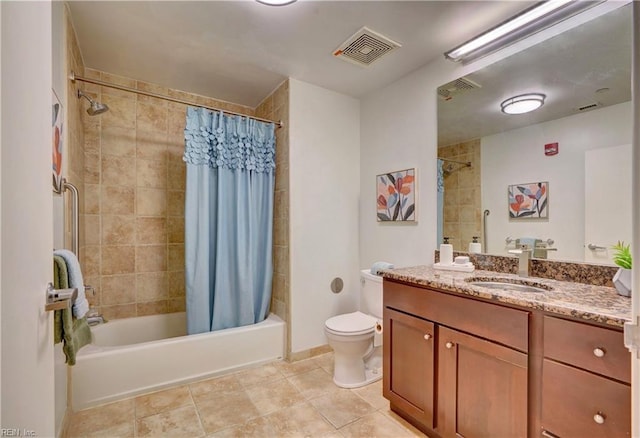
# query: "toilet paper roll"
{"points": [[379, 327], [446, 254], [475, 247]]}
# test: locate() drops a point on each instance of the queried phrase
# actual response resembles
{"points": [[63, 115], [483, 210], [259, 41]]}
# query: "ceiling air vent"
{"points": [[589, 106], [364, 47], [457, 87]]}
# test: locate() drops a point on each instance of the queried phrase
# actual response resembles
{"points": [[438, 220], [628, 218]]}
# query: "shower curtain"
{"points": [[228, 219], [440, 200]]}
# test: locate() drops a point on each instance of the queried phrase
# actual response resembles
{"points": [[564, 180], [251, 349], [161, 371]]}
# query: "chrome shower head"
{"points": [[96, 107]]}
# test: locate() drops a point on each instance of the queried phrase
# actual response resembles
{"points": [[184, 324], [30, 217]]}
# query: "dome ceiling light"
{"points": [[276, 2], [523, 103]]}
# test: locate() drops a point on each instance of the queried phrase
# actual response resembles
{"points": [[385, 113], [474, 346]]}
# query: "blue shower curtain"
{"points": [[440, 183], [228, 220]]}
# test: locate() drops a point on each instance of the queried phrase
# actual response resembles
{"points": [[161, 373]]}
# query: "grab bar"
{"points": [[75, 215], [593, 247], [484, 230]]}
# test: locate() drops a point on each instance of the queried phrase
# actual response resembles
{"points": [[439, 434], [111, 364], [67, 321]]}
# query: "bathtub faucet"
{"points": [[95, 319]]}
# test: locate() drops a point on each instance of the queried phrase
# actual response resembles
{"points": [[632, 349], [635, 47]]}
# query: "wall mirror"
{"points": [[558, 177]]}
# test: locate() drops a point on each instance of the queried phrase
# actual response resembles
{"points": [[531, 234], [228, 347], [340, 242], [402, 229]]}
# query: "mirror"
{"points": [[557, 178]]}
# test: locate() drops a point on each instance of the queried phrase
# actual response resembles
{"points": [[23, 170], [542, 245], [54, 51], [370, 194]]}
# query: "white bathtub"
{"points": [[136, 355]]}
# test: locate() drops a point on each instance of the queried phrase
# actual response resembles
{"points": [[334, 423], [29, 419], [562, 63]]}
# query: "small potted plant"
{"points": [[622, 258]]}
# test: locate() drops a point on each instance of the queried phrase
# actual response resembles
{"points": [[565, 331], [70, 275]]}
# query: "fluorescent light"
{"points": [[524, 103], [276, 2], [523, 24]]}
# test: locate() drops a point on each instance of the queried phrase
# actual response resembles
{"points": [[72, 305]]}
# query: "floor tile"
{"points": [[292, 368], [375, 425], [256, 376], [274, 396], [88, 421], [161, 401], [300, 420], [402, 422], [314, 383], [181, 422], [214, 388], [325, 361], [342, 407], [372, 394], [257, 427], [123, 430], [230, 410]]}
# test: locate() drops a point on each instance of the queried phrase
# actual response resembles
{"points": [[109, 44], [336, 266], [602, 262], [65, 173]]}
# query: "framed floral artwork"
{"points": [[56, 126], [396, 196], [529, 201]]}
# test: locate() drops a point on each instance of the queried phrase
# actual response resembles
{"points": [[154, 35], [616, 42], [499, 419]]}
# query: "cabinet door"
{"points": [[482, 387], [408, 346]]}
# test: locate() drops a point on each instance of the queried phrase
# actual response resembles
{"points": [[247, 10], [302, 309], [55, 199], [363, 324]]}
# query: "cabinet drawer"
{"points": [[585, 346], [500, 324], [572, 398]]}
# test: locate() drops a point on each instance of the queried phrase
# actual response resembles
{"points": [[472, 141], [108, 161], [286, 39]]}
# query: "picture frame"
{"points": [[528, 201], [57, 126], [396, 196]]}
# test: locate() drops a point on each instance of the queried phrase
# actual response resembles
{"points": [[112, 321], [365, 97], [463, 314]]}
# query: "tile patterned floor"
{"points": [[279, 399]]}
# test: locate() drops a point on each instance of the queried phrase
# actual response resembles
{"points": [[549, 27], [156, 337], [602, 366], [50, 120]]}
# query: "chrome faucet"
{"points": [[524, 255], [95, 319]]}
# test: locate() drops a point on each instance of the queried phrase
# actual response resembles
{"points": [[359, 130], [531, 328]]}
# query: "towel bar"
{"points": [[58, 299]]}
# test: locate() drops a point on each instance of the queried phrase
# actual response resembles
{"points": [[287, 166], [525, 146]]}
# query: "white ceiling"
{"points": [[568, 69], [239, 51]]}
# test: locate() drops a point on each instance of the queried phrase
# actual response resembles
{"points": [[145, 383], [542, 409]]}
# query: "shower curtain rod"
{"points": [[75, 77], [464, 163]]}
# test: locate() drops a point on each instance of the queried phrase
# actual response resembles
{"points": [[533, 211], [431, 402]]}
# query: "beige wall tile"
{"points": [[118, 230], [91, 199], [151, 308], [92, 168], [175, 229], [91, 260], [91, 229], [177, 176], [118, 171], [176, 305], [152, 88], [151, 202], [151, 286], [151, 117], [117, 200], [117, 141], [151, 174], [151, 258], [151, 230], [122, 111], [118, 259], [175, 203], [118, 289], [118, 311], [151, 145], [176, 283], [176, 257]]}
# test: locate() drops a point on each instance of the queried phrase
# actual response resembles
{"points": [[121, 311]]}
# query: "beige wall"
{"points": [[134, 198], [462, 195], [276, 107]]}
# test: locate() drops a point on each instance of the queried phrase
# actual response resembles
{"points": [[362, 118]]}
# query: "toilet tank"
{"points": [[370, 293]]}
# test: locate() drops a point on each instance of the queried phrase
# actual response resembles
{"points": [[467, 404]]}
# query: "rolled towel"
{"points": [[378, 266], [81, 306]]}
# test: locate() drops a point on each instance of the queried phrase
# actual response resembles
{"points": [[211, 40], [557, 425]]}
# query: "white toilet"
{"points": [[356, 345]]}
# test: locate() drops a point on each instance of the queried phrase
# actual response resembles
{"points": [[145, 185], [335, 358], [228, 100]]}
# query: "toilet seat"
{"points": [[356, 323]]}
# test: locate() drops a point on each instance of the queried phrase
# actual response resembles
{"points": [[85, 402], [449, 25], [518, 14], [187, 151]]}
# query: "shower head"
{"points": [[96, 107]]}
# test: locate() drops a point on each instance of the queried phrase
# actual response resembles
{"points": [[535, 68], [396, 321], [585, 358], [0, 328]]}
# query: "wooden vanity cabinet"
{"points": [[450, 381]]}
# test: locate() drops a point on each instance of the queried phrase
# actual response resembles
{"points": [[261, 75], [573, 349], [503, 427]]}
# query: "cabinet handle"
{"points": [[427, 336], [449, 345], [548, 434], [599, 418], [598, 352]]}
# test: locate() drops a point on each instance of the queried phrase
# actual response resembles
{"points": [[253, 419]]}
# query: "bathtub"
{"points": [[137, 355]]}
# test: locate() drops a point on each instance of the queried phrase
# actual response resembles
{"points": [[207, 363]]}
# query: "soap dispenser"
{"points": [[446, 252], [475, 246]]}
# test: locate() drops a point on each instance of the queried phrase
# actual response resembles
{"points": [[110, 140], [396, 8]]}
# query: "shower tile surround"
{"points": [[134, 191], [276, 399], [462, 203]]}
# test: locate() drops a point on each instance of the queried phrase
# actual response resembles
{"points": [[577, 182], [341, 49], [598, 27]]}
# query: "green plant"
{"points": [[622, 255]]}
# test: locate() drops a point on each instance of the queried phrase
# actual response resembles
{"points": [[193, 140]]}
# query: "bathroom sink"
{"points": [[509, 285]]}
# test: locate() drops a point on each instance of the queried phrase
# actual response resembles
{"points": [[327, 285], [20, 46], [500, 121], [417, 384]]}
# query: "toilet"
{"points": [[356, 343]]}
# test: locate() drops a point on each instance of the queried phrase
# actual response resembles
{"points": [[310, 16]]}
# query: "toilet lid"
{"points": [[353, 323]]}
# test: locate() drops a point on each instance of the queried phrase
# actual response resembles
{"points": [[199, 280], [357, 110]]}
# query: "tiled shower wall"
{"points": [[276, 107], [462, 195], [134, 198]]}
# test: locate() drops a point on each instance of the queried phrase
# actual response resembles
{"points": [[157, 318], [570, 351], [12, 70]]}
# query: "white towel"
{"points": [[81, 306], [377, 266]]}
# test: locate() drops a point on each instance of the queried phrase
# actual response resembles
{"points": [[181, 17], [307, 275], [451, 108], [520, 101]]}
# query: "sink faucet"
{"points": [[524, 255]]}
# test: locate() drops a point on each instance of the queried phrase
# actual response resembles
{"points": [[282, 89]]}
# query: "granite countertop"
{"points": [[599, 304]]}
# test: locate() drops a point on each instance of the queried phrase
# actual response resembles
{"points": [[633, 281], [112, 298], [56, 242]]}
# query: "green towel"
{"points": [[74, 332]]}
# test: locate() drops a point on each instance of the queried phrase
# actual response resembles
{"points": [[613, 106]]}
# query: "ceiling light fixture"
{"points": [[520, 26], [524, 103], [276, 2]]}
